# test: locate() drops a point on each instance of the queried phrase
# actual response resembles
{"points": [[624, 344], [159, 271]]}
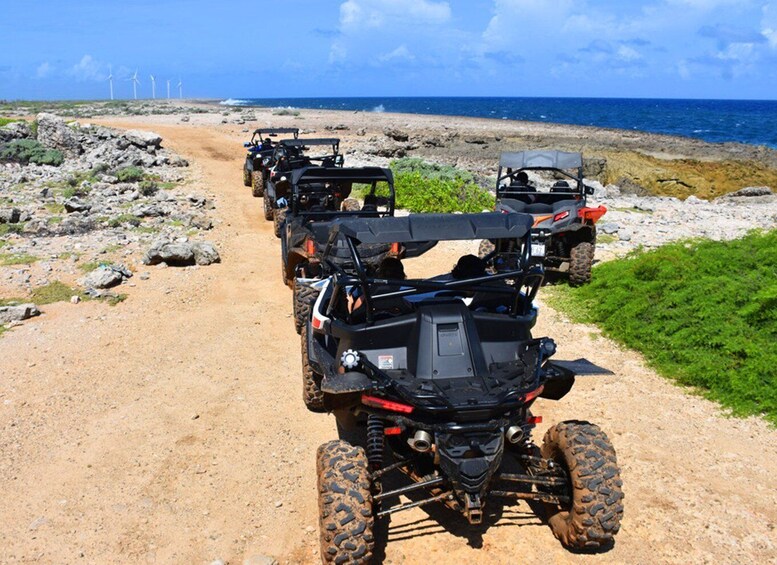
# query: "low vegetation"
{"points": [[428, 187], [130, 174], [24, 151], [703, 313], [6, 121]]}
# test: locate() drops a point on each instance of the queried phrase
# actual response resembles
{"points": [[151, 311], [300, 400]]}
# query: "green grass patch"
{"points": [[55, 208], [124, 219], [3, 243], [6, 121], [606, 238], [424, 187], [89, 266], [703, 313], [5, 229], [55, 292], [17, 259]]}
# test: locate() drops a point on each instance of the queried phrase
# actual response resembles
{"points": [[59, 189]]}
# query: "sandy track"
{"points": [[169, 428]]}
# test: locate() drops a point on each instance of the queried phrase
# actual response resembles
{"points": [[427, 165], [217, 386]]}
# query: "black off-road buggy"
{"points": [[291, 155], [434, 380], [317, 197], [259, 155], [563, 232]]}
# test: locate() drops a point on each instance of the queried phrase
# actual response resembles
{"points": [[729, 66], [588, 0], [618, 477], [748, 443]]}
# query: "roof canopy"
{"points": [[433, 227], [350, 174], [276, 131], [316, 141], [541, 160]]}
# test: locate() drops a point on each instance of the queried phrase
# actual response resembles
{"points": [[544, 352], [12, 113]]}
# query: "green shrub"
{"points": [[25, 151], [6, 121], [148, 187], [430, 170], [702, 312], [424, 187], [130, 219], [130, 174]]}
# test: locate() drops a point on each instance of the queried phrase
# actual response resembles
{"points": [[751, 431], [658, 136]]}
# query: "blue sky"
{"points": [[288, 48]]}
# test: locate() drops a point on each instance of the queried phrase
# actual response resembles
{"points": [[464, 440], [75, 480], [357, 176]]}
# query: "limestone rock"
{"points": [[54, 133], [18, 313]]}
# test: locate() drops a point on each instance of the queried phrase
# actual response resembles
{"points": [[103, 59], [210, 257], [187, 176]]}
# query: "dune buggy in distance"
{"points": [[434, 380], [317, 197], [564, 232], [290, 155], [259, 150]]}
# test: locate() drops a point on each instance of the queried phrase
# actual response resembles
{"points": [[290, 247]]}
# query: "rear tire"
{"points": [[246, 177], [267, 202], [303, 297], [278, 217], [581, 259], [346, 521], [594, 516], [257, 186]]}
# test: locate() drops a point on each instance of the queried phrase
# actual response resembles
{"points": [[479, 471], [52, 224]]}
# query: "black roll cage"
{"points": [[272, 132], [308, 176], [527, 276], [523, 162]]}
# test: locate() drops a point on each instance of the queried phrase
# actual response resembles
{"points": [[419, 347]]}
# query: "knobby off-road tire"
{"points": [[581, 258], [303, 297], [278, 217], [311, 381], [267, 203], [594, 516], [257, 186], [485, 248], [345, 504], [246, 177]]}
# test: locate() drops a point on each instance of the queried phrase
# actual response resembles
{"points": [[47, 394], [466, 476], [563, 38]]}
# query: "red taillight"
{"points": [[561, 215], [317, 322], [534, 420], [395, 431], [533, 394], [394, 249], [592, 214], [384, 404], [310, 247]]}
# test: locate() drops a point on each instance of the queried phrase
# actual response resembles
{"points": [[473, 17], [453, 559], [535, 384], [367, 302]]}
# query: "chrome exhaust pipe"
{"points": [[421, 441], [514, 434]]}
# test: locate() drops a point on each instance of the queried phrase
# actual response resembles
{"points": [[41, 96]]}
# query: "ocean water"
{"points": [[743, 121]]}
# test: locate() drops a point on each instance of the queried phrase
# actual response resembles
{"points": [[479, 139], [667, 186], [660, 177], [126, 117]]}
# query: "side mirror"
{"points": [[246, 144], [589, 189]]}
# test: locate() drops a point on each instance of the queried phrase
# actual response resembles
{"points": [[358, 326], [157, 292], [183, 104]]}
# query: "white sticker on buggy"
{"points": [[385, 362]]}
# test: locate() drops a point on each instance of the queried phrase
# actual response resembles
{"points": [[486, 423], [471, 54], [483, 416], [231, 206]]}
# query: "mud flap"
{"points": [[560, 376]]}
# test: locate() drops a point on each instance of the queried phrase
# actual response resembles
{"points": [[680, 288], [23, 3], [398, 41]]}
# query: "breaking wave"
{"points": [[234, 102], [378, 109]]}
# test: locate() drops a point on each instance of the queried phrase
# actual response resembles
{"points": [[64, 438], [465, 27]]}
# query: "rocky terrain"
{"points": [[170, 429], [117, 201]]}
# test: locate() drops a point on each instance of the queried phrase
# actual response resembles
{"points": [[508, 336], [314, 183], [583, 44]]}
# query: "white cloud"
{"points": [[769, 25], [87, 69], [401, 53], [43, 70], [360, 14]]}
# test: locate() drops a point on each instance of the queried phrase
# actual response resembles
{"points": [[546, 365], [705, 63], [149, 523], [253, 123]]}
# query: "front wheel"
{"points": [[581, 259], [594, 514], [246, 177], [346, 521], [278, 217], [311, 381], [303, 297], [267, 207], [257, 186]]}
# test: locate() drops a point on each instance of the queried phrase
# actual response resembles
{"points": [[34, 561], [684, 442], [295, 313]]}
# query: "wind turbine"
{"points": [[180, 88], [135, 83], [168, 89], [153, 86], [110, 79]]}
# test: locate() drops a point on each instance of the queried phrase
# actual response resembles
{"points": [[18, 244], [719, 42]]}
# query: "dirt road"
{"points": [[170, 428]]}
